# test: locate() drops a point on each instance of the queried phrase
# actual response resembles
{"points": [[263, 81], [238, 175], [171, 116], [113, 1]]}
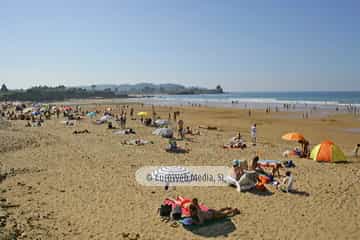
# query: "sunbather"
{"points": [[81, 132], [199, 216], [256, 166], [190, 131], [137, 142]]}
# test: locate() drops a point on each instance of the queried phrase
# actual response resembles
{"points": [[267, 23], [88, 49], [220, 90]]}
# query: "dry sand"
{"points": [[65, 186]]}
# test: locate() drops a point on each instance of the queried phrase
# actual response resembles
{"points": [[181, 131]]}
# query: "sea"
{"points": [[297, 100]]}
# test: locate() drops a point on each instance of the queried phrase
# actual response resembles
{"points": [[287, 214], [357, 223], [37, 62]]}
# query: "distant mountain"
{"points": [[150, 88]]}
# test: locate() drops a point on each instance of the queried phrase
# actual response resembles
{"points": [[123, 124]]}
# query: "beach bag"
{"points": [[260, 186], [165, 210]]}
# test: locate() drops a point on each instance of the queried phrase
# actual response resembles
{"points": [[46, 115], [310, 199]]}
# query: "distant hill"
{"points": [[149, 88], [59, 93]]}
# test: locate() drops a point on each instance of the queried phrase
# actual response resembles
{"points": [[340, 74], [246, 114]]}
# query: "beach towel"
{"points": [[137, 142], [269, 163]]}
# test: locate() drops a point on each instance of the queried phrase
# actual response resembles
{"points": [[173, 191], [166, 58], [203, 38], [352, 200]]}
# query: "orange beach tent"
{"points": [[327, 151]]}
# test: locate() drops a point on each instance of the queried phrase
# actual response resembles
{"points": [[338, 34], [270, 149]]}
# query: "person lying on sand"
{"points": [[137, 142], [81, 132], [208, 127], [129, 131], [192, 132], [255, 166], [199, 216]]}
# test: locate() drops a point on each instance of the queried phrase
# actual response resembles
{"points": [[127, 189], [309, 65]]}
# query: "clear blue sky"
{"points": [[242, 45]]}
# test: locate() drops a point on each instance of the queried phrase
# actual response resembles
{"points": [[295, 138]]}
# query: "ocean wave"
{"points": [[229, 100]]}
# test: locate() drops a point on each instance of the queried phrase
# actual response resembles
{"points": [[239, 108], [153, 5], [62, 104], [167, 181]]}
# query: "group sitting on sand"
{"points": [[191, 212], [302, 152], [236, 142], [255, 177]]}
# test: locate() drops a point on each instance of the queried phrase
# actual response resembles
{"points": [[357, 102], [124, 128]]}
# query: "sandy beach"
{"points": [[57, 185]]}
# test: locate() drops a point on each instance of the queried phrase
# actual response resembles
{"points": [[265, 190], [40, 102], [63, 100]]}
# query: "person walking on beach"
{"points": [[181, 128], [253, 134]]}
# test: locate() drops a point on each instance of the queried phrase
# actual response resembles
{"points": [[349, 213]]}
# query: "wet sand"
{"points": [[66, 186]]}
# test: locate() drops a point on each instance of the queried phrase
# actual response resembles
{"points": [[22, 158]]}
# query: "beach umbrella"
{"points": [[171, 174], [142, 114], [293, 136], [327, 151]]}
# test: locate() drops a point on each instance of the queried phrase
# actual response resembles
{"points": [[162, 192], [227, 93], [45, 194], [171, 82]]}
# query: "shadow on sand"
{"points": [[263, 193], [300, 193], [178, 151], [214, 229]]}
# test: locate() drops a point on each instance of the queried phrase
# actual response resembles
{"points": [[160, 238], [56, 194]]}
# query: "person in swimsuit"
{"points": [[199, 216]]}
